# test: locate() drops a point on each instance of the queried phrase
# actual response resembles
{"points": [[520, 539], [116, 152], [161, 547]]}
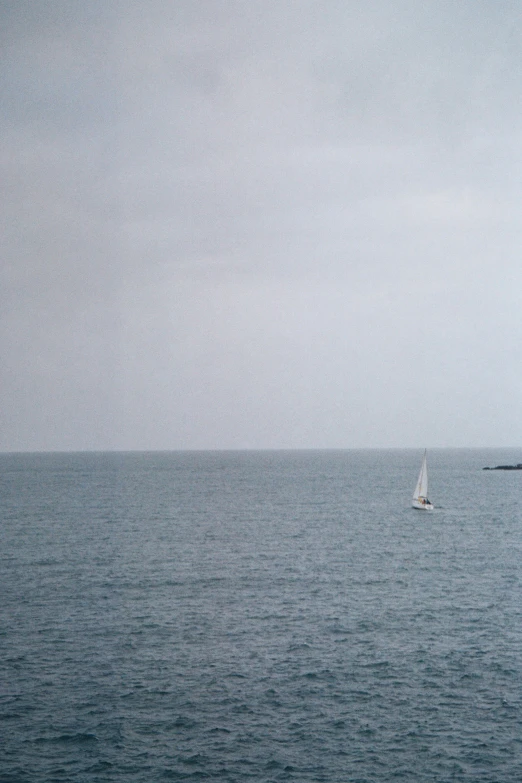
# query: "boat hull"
{"points": [[422, 506]]}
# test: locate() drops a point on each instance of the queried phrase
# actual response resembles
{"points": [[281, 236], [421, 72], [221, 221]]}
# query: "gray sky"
{"points": [[262, 224]]}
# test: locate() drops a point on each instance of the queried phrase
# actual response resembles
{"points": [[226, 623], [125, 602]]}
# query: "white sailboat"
{"points": [[420, 496]]}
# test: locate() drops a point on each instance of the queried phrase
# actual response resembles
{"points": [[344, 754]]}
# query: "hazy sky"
{"points": [[260, 223]]}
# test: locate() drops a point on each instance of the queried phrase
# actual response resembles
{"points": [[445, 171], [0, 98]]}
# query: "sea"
{"points": [[260, 616]]}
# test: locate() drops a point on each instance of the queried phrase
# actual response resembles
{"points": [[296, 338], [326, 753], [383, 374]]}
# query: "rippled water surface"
{"points": [[264, 616]]}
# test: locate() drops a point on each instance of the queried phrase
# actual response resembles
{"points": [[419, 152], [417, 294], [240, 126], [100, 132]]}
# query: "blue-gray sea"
{"points": [[260, 616]]}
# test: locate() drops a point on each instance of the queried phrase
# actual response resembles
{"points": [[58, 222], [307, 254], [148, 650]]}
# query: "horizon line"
{"points": [[251, 449]]}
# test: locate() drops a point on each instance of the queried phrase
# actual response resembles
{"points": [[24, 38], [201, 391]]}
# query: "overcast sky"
{"points": [[260, 224]]}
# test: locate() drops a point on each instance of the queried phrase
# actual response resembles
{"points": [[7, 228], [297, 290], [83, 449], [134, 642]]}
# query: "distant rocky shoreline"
{"points": [[506, 467]]}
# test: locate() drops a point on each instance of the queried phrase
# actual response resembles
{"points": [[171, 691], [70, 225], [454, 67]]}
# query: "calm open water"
{"points": [[260, 616]]}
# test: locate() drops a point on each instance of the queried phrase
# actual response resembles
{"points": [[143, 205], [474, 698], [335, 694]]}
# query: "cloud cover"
{"points": [[260, 225]]}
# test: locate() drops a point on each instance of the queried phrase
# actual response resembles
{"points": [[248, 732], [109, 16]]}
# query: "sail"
{"points": [[421, 490]]}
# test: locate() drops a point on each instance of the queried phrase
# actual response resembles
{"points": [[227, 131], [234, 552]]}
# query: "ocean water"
{"points": [[260, 616]]}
